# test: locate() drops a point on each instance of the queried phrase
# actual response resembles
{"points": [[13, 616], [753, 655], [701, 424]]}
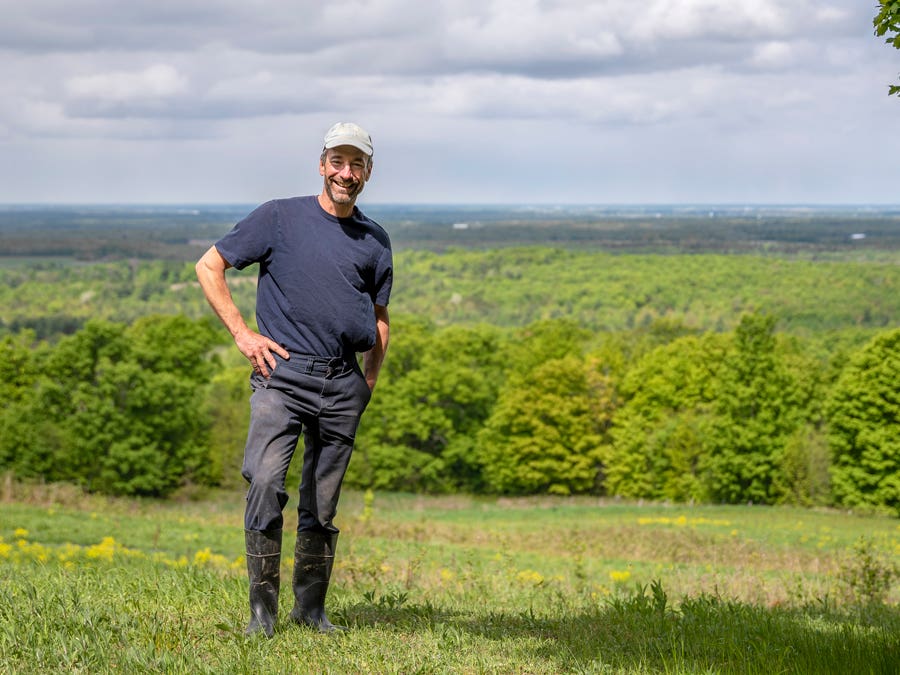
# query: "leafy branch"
{"points": [[887, 23]]}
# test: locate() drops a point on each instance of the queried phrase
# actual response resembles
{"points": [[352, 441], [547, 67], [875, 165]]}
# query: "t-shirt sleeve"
{"points": [[384, 278], [251, 240]]}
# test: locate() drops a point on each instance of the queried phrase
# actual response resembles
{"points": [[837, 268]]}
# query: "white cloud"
{"points": [[705, 19], [776, 54], [831, 14], [692, 86], [509, 32], [153, 82]]}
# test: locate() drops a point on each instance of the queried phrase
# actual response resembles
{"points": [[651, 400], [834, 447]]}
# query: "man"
{"points": [[325, 275]]}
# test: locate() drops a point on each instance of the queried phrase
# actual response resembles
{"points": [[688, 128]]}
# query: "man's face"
{"points": [[346, 170]]}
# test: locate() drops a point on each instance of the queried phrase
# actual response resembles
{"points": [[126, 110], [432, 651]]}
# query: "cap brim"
{"points": [[343, 140]]}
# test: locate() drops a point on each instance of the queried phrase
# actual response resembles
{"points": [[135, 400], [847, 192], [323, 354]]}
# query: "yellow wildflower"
{"points": [[620, 577], [34, 551], [102, 551], [530, 577], [201, 558]]}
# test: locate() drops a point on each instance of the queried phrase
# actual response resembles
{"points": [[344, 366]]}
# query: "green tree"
{"points": [[887, 25], [802, 476], [435, 391], [863, 416], [64, 445], [544, 340], [717, 417], [761, 401], [227, 407], [387, 452], [115, 411], [18, 371], [175, 344], [660, 434], [548, 430]]}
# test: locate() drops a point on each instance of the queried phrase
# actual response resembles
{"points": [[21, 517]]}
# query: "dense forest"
{"points": [[95, 233], [739, 372]]}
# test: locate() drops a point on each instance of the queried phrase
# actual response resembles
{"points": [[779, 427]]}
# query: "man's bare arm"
{"points": [[373, 358], [257, 348]]}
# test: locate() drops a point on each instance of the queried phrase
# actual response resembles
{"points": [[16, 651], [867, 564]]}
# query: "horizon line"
{"points": [[509, 205]]}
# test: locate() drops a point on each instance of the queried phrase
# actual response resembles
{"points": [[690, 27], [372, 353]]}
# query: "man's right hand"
{"points": [[258, 350]]}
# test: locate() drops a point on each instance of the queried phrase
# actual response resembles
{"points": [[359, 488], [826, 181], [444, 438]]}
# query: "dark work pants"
{"points": [[322, 398]]}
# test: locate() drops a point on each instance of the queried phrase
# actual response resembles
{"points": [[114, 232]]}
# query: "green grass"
{"points": [[453, 584]]}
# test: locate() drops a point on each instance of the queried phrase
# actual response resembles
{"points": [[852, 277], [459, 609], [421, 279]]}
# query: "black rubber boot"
{"points": [[263, 568], [313, 562]]}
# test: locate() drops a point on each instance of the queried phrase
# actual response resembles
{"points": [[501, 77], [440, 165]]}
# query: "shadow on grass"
{"points": [[705, 634]]}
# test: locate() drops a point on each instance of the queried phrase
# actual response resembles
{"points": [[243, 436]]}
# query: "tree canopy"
{"points": [[511, 371]]}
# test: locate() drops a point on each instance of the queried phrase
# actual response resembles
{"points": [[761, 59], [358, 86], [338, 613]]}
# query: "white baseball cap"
{"points": [[348, 133]]}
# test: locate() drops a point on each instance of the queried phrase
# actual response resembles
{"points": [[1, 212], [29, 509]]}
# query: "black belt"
{"points": [[320, 365]]}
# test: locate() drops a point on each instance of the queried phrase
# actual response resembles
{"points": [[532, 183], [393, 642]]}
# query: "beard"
{"points": [[343, 194]]}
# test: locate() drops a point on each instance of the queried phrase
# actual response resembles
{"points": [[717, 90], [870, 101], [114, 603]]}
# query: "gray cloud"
{"points": [[451, 76]]}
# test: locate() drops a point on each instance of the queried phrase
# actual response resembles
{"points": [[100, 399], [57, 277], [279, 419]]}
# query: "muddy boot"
{"points": [[313, 562], [263, 563]]}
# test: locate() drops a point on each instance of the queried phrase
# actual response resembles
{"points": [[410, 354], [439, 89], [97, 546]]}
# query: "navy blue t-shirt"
{"points": [[319, 275]]}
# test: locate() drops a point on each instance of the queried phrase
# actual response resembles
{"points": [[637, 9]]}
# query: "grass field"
{"points": [[447, 585]]}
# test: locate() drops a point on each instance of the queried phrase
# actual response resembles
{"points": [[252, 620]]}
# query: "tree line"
{"points": [[661, 411], [510, 286]]}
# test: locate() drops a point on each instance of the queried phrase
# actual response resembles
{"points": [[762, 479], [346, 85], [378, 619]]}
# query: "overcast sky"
{"points": [[468, 101]]}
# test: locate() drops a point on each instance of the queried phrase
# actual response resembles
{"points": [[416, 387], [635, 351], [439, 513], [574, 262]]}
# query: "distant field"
{"points": [[182, 232], [30, 261], [453, 584], [607, 268]]}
